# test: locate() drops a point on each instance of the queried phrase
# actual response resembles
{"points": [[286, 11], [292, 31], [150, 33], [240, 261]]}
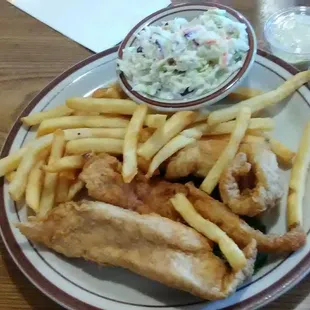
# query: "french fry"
{"points": [[244, 93], [97, 145], [11, 162], [175, 124], [106, 93], [229, 152], [185, 138], [253, 141], [255, 124], [298, 181], [62, 189], [43, 154], [155, 120], [152, 120], [67, 122], [231, 251], [145, 134], [262, 101], [66, 163], [175, 144], [65, 178], [102, 105], [84, 113], [18, 185], [50, 179], [119, 89], [80, 133], [115, 133], [37, 118], [284, 155], [113, 91], [202, 117], [109, 92], [35, 181], [34, 186], [70, 175], [75, 188], [10, 176], [130, 144], [196, 131]]}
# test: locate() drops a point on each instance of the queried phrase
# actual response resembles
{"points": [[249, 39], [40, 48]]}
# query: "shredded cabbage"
{"points": [[181, 59]]}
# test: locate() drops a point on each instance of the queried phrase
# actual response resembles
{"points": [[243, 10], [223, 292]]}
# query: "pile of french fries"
{"points": [[46, 171]]}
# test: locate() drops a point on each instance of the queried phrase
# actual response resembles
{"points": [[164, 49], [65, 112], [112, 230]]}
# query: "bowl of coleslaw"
{"points": [[186, 56]]}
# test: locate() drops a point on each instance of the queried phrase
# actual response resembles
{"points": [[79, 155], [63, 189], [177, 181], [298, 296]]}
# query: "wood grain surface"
{"points": [[31, 55]]}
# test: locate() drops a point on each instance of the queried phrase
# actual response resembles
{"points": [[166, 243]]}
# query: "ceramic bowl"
{"points": [[188, 11]]}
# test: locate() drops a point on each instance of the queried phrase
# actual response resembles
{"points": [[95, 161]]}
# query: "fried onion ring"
{"points": [[251, 184]]}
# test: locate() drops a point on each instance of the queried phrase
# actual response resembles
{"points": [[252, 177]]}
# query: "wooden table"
{"points": [[32, 54]]}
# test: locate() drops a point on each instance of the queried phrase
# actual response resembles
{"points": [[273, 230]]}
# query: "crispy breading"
{"points": [[104, 182], [102, 176], [251, 184], [239, 230], [198, 158], [153, 246]]}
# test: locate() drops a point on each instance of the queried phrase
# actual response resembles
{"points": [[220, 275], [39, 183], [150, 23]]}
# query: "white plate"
{"points": [[77, 284]]}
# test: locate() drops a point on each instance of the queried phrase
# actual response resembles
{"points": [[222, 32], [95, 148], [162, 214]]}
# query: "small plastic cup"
{"points": [[288, 34]]}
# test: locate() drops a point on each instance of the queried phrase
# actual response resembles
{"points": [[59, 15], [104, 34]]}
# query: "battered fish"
{"points": [[102, 175], [150, 245], [251, 184], [198, 158], [195, 159], [104, 181]]}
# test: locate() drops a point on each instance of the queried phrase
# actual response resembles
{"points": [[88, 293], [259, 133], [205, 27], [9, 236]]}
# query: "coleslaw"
{"points": [[181, 59]]}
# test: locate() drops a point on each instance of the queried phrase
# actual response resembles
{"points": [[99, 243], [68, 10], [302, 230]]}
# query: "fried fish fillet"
{"points": [[150, 245], [195, 159], [198, 158], [103, 178], [102, 175]]}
